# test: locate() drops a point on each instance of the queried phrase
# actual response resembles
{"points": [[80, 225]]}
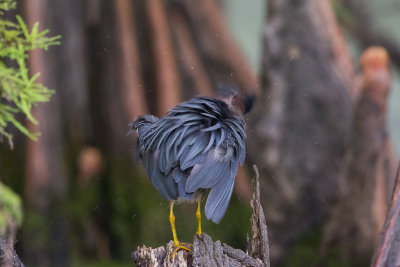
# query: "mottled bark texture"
{"points": [[259, 244], [302, 118], [8, 256], [206, 252]]}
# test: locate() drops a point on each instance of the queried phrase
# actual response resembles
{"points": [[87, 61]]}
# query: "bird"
{"points": [[196, 147]]}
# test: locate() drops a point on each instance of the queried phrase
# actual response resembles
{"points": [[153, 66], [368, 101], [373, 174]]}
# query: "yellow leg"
{"points": [[172, 221], [177, 244], [198, 216]]}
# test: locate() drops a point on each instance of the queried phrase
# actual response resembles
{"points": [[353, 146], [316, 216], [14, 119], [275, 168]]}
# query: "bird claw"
{"points": [[184, 246]]}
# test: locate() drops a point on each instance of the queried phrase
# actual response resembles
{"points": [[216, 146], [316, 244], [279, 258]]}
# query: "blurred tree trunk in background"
{"points": [[302, 120], [133, 97], [45, 186], [367, 173]]}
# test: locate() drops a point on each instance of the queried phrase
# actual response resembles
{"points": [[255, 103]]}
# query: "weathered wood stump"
{"points": [[206, 252], [8, 256]]}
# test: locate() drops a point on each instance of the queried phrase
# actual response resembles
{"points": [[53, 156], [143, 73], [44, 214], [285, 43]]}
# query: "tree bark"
{"points": [[259, 244], [388, 247], [206, 252], [8, 256]]}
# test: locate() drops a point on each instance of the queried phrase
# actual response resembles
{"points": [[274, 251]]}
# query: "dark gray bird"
{"points": [[196, 146]]}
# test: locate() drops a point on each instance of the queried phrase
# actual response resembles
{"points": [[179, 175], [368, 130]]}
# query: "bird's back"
{"points": [[197, 145]]}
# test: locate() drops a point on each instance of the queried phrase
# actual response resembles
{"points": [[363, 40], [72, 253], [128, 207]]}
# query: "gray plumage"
{"points": [[197, 145]]}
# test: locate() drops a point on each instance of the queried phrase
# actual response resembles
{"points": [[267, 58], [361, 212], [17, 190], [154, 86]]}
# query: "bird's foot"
{"points": [[182, 245]]}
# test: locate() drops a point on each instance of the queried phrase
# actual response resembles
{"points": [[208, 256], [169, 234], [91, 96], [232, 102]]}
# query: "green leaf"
{"points": [[23, 26], [19, 91]]}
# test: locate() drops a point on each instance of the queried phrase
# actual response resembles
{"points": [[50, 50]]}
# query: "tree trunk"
{"points": [[8, 256], [45, 187], [220, 54], [133, 97], [387, 250], [302, 119], [367, 170]]}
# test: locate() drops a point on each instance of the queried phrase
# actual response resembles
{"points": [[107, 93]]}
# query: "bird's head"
{"points": [[238, 102]]}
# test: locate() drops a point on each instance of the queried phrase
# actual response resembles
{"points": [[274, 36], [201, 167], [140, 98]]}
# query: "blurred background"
{"points": [[324, 133]]}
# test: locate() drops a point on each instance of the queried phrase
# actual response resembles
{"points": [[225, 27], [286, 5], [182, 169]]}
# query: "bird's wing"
{"points": [[207, 173], [214, 161], [180, 179], [219, 197], [164, 183], [163, 144], [214, 154]]}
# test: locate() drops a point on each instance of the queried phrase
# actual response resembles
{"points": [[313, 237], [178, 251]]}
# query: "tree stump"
{"points": [[206, 252], [8, 256]]}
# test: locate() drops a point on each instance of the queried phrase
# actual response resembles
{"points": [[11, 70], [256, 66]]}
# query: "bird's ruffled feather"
{"points": [[197, 145]]}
